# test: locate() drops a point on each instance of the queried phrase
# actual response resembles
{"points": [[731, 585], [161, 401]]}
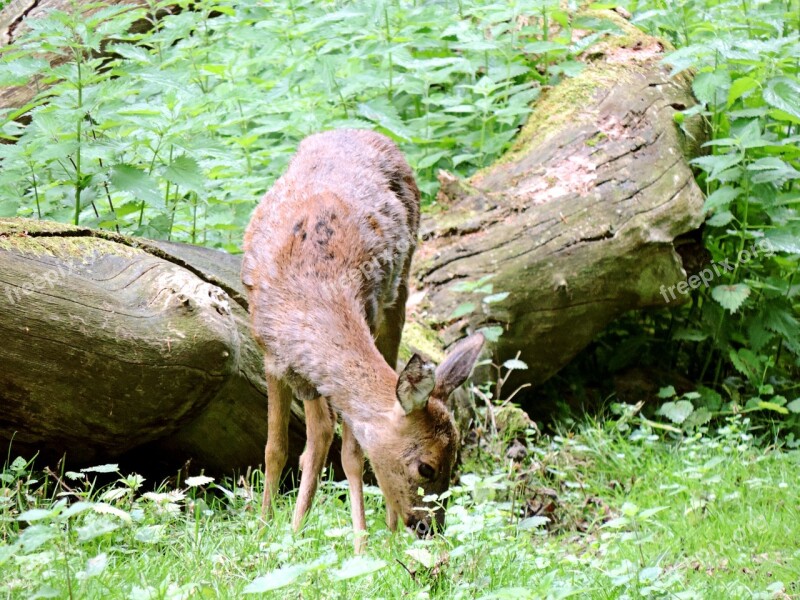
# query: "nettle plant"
{"points": [[743, 325], [176, 132], [482, 299]]}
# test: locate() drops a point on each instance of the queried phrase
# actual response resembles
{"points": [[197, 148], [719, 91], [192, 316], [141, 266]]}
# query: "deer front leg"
{"points": [[391, 517], [319, 435], [353, 463], [388, 344], [279, 398]]}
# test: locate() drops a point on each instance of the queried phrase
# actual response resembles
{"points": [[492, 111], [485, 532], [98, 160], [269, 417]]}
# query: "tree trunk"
{"points": [[578, 221]]}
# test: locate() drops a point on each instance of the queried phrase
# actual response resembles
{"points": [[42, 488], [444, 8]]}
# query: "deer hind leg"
{"points": [[279, 398], [319, 435], [353, 463]]}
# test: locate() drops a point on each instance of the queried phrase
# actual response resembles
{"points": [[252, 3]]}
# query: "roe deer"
{"points": [[326, 263]]}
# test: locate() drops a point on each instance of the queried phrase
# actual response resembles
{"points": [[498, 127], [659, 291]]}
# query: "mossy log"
{"points": [[112, 345], [579, 220]]}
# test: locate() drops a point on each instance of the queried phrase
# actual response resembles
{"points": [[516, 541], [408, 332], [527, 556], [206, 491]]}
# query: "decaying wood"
{"points": [[578, 221]]}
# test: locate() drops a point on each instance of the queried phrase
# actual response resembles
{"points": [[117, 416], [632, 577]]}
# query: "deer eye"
{"points": [[426, 471]]}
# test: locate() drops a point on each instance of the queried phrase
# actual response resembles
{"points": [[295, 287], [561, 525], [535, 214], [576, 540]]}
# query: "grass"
{"points": [[612, 511]]}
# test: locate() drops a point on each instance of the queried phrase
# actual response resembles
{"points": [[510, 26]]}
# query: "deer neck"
{"points": [[346, 367]]}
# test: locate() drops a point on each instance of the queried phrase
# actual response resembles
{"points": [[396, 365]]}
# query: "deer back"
{"points": [[326, 247]]}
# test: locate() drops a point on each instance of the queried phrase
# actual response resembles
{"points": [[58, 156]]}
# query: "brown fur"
{"points": [[326, 262]]}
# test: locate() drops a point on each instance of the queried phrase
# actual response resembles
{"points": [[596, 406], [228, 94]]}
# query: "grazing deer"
{"points": [[326, 263]]}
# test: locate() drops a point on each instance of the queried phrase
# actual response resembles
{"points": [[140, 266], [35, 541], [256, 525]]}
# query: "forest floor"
{"points": [[614, 510]]}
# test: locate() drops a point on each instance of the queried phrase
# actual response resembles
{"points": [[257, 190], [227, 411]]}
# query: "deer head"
{"points": [[418, 448]]}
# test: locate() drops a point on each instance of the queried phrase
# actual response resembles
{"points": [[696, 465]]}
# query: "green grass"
{"points": [[634, 515]]}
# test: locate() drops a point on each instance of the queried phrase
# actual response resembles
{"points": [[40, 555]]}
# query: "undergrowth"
{"points": [[617, 510], [176, 132]]}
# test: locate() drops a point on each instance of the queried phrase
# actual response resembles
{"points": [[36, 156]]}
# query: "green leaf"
{"points": [[96, 565], [36, 514], [730, 297], [96, 528], [690, 335], [275, 580], [783, 322], [430, 160], [75, 509], [714, 165], [721, 198], [699, 417], [709, 86], [782, 115], [185, 172], [747, 363], [385, 115], [784, 94], [784, 240], [649, 512], [109, 468], [794, 406], [492, 334], [570, 68], [423, 556], [617, 523], [463, 309], [666, 392], [720, 219], [677, 411], [515, 364], [358, 567], [150, 534], [540, 47], [750, 135], [649, 574], [7, 551], [772, 169], [496, 297], [739, 88], [36, 535], [127, 178], [533, 523]]}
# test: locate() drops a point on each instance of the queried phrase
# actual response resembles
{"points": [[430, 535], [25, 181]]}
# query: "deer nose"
{"points": [[422, 529]]}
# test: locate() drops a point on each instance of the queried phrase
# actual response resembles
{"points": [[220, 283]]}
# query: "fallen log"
{"points": [[113, 345], [578, 222]]}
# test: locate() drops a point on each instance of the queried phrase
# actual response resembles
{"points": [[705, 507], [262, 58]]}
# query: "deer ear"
{"points": [[458, 365], [415, 384]]}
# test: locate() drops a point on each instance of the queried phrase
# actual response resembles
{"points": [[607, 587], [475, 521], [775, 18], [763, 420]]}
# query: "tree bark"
{"points": [[578, 222]]}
